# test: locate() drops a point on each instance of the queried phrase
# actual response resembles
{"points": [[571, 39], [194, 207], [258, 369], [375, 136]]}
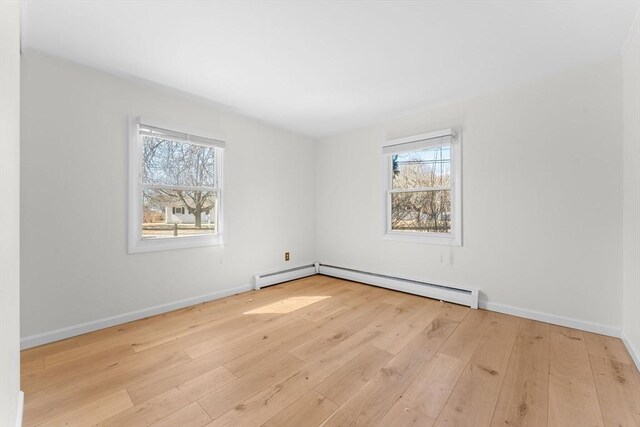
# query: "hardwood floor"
{"points": [[322, 351]]}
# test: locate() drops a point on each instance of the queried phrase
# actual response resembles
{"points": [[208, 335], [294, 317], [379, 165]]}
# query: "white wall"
{"points": [[631, 188], [542, 218], [9, 212], [542, 201], [75, 266]]}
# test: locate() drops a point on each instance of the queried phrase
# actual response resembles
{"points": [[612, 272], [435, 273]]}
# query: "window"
{"points": [[423, 188], [175, 187]]}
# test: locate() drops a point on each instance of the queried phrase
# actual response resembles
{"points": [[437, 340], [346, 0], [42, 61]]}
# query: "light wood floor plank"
{"points": [[48, 349], [465, 339], [322, 350], [618, 389], [607, 347], [310, 410], [371, 403], [116, 332], [524, 397], [396, 340], [404, 416], [76, 392], [31, 367], [144, 389], [264, 405], [340, 385], [190, 416], [93, 412], [236, 333], [223, 321], [272, 370], [572, 392], [325, 329], [80, 368], [434, 383], [122, 342], [340, 299], [312, 348], [171, 401], [474, 397]]}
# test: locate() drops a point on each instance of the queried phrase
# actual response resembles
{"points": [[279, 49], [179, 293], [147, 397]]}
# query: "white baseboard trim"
{"points": [[83, 328], [632, 351], [552, 318], [71, 331], [20, 409]]}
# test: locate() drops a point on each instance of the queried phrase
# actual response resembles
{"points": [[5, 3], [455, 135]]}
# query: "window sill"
{"points": [[172, 243], [425, 238]]}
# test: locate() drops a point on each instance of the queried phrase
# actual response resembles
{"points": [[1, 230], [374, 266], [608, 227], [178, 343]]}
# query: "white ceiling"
{"points": [[322, 67]]}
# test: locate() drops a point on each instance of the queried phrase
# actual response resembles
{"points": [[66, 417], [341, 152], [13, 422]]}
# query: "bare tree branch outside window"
{"points": [[421, 191], [178, 175]]}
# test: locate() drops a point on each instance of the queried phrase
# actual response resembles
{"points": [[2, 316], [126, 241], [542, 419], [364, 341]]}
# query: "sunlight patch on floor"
{"points": [[288, 305]]}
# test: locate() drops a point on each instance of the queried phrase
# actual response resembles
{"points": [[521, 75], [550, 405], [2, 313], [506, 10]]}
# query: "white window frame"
{"points": [[438, 138], [136, 146]]}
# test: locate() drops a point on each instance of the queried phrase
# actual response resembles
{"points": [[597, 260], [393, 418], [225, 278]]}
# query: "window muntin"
{"points": [[175, 189], [423, 188]]}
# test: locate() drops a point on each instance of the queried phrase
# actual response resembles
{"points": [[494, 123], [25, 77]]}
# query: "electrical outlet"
{"points": [[286, 256]]}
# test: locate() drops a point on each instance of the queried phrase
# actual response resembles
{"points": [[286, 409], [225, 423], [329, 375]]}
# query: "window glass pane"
{"points": [[167, 162], [170, 213], [421, 211], [425, 168]]}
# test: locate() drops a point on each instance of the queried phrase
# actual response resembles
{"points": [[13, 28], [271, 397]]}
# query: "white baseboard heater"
{"points": [[273, 277], [457, 295]]}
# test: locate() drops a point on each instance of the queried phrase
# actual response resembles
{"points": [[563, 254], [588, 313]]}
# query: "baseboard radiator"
{"points": [[457, 295], [274, 277]]}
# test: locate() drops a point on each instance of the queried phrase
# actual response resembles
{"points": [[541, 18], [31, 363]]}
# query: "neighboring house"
{"points": [[180, 215]]}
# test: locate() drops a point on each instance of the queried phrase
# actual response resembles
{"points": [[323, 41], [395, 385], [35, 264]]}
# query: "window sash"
{"points": [[443, 138], [437, 142], [390, 188], [177, 187], [171, 137], [141, 162], [419, 189], [216, 192], [389, 206], [136, 187]]}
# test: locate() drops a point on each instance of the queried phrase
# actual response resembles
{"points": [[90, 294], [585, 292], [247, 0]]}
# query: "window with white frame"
{"points": [[175, 187], [423, 188]]}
